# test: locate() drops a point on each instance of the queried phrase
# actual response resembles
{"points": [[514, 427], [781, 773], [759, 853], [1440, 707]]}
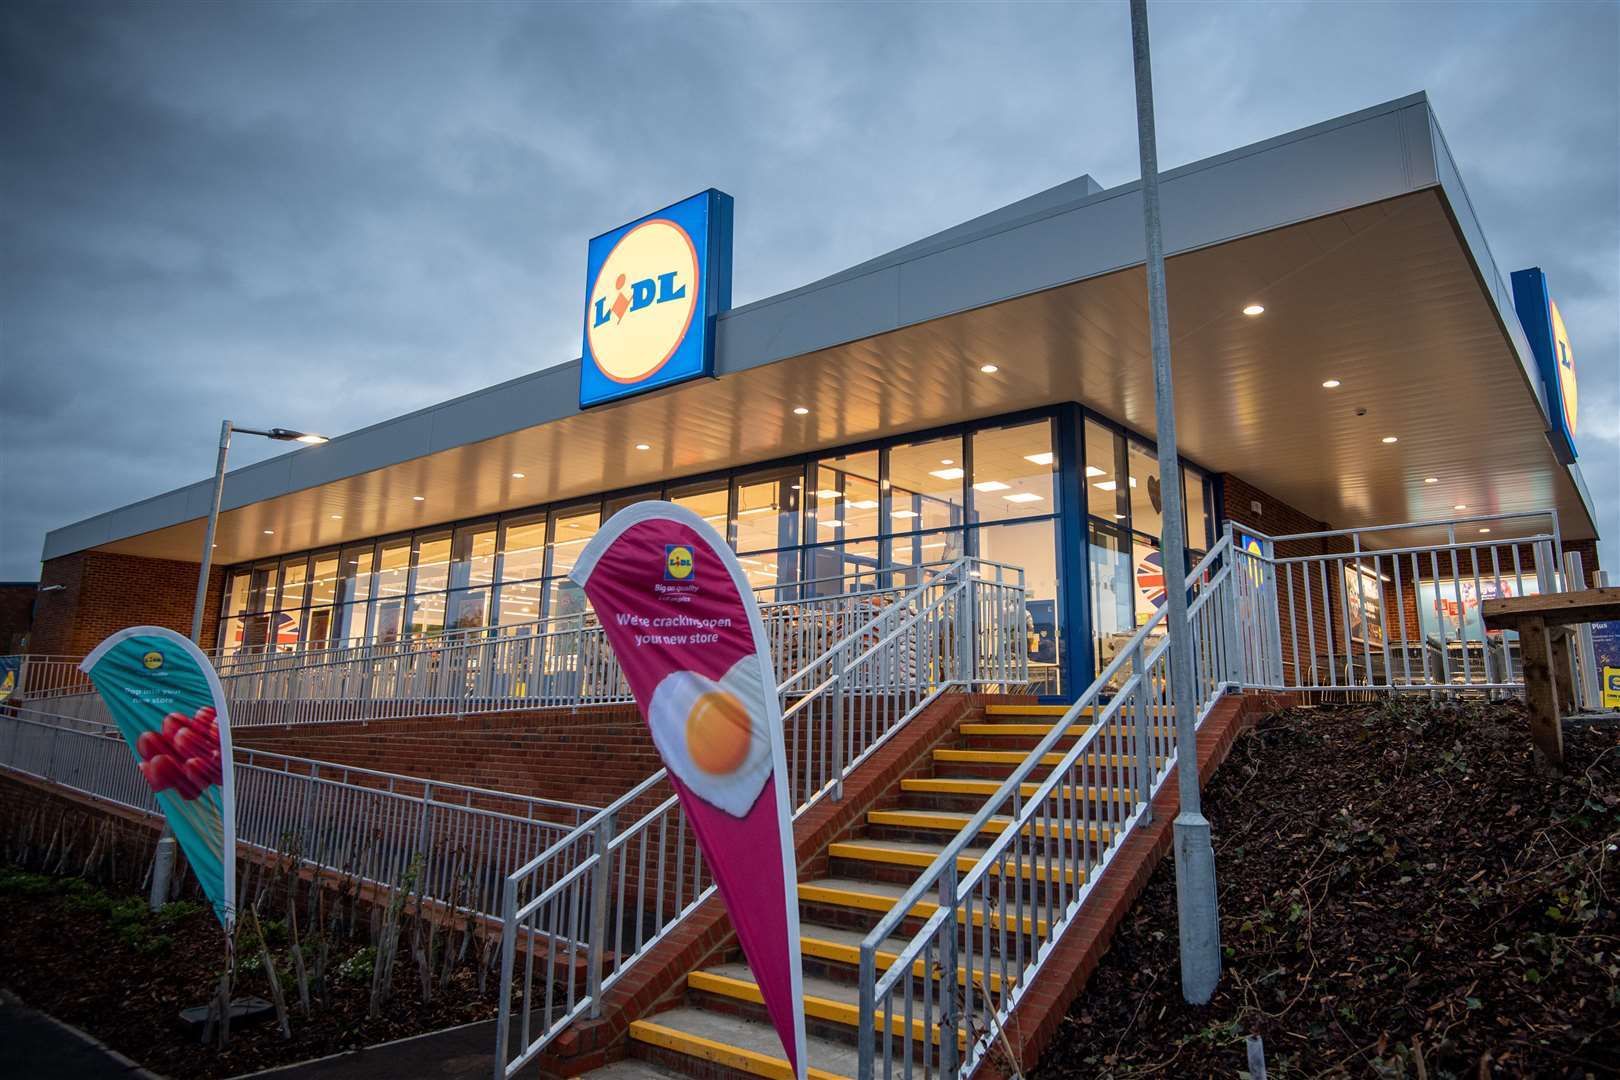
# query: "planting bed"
{"points": [[1404, 892], [100, 961]]}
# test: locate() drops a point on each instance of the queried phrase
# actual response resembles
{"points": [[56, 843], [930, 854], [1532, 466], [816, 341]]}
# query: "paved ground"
{"points": [[37, 1046], [463, 1053]]}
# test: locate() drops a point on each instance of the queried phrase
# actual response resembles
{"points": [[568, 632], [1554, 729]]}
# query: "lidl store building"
{"points": [[1347, 353]]}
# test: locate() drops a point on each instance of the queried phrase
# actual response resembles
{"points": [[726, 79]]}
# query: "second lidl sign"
{"points": [[654, 289]]}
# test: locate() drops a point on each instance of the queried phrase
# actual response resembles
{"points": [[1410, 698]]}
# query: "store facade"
{"points": [[1347, 354]]}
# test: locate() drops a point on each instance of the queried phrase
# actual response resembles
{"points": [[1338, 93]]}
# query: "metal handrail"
{"points": [[572, 911]]}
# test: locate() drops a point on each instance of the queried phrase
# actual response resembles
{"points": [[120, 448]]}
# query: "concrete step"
{"points": [[923, 822], [863, 855], [706, 1043], [873, 899], [632, 1069], [835, 952], [1004, 711], [983, 789]]}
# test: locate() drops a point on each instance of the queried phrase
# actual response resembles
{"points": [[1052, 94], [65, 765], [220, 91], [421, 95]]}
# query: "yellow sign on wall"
{"points": [[1611, 688]]}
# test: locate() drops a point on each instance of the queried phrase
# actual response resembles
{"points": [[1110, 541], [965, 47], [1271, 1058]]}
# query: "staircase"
{"points": [[718, 1026]]}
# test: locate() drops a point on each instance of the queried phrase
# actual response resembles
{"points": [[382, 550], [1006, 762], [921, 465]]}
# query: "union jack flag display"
{"points": [[1150, 577]]}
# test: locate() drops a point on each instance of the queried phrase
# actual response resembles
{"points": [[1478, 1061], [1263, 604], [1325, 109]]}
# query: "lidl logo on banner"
{"points": [[1555, 358], [677, 562], [655, 287], [152, 660]]}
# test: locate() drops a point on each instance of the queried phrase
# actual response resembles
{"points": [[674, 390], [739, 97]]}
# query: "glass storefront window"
{"points": [[571, 531], [844, 503], [1113, 603], [707, 500], [1146, 499], [1192, 481], [926, 482], [392, 577], [354, 573], [523, 553], [319, 628], [323, 587], [519, 603], [472, 555], [614, 505], [1033, 546], [432, 563], [1013, 470], [294, 583], [768, 510], [236, 593], [427, 615], [827, 566], [468, 608], [1103, 497], [920, 549]]}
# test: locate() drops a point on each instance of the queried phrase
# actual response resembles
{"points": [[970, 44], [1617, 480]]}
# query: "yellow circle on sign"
{"points": [[152, 660], [1564, 356], [678, 563], [642, 301]]}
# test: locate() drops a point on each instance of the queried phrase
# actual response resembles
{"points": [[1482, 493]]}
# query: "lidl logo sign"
{"points": [[152, 660], [677, 562], [1555, 357], [654, 289]]}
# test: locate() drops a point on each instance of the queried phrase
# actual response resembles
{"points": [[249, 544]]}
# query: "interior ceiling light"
{"points": [[948, 474], [1254, 309], [863, 504], [1330, 384], [904, 514], [643, 446], [800, 410], [419, 498], [1110, 485], [1388, 439], [1022, 497], [1042, 458], [1484, 530], [269, 532], [831, 523], [1460, 506], [1092, 470], [991, 485], [947, 461], [517, 476], [337, 517], [829, 493], [989, 369]]}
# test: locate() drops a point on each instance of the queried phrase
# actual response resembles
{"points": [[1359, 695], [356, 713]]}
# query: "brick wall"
{"points": [[103, 592], [16, 613]]}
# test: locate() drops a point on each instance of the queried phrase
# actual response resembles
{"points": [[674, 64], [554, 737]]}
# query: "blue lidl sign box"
{"points": [[1555, 358], [654, 289]]}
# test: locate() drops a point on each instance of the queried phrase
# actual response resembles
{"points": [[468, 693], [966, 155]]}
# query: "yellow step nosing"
{"points": [[922, 909], [947, 822], [1032, 730], [1033, 710], [845, 849], [850, 955], [838, 1012], [956, 785], [719, 1053], [1017, 757]]}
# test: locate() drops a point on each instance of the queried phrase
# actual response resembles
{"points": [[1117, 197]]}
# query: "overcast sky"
{"points": [[324, 215]]}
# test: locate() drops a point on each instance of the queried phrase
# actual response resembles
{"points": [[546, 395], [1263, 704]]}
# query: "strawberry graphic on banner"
{"points": [[678, 613]]}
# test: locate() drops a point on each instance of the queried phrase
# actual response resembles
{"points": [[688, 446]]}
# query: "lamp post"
{"points": [[225, 430], [1197, 914]]}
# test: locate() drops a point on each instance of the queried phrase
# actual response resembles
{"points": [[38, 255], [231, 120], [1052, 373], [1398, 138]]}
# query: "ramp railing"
{"points": [[622, 889], [364, 824]]}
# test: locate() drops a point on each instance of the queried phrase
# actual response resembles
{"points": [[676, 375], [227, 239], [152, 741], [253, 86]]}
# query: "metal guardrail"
{"points": [[624, 889], [360, 823], [966, 967]]}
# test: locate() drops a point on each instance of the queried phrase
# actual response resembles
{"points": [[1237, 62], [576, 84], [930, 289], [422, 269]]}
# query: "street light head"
{"points": [[289, 435]]}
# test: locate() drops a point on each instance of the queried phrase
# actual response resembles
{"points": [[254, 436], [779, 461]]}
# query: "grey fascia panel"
{"points": [[1353, 160], [1496, 286]]}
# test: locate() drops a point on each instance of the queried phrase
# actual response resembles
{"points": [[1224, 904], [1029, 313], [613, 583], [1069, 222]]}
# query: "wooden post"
{"points": [[1563, 675], [1540, 694]]}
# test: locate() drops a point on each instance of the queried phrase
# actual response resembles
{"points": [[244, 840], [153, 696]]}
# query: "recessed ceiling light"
{"points": [[829, 493], [991, 485], [1119, 517], [989, 369], [904, 514], [947, 474], [1329, 384], [1092, 470], [862, 504], [337, 517], [1022, 497], [1254, 309], [269, 532], [800, 410], [517, 476], [1431, 479], [1042, 458], [1390, 439], [1460, 506], [831, 523], [947, 461], [643, 446], [419, 498], [1484, 530]]}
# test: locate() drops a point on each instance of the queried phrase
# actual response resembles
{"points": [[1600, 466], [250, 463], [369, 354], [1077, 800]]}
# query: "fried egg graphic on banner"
{"points": [[712, 734]]}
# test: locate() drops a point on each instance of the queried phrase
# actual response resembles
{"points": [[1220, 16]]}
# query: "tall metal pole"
{"points": [[208, 538], [1195, 859]]}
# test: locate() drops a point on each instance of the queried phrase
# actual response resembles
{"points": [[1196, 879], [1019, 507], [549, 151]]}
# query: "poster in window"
{"points": [[1361, 604], [1444, 608], [1040, 624]]}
